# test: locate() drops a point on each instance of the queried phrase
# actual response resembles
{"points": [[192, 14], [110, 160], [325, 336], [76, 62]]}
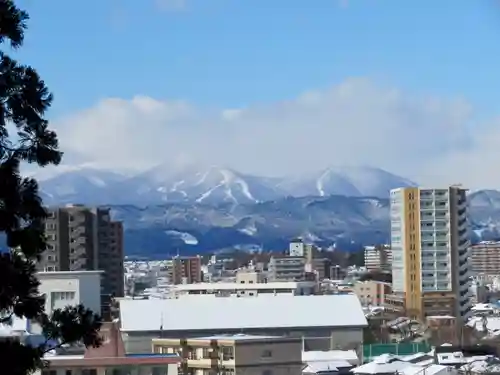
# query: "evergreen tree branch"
{"points": [[24, 99]]}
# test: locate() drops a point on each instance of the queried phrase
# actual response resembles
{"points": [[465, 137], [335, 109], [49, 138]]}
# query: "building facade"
{"points": [[286, 268], [81, 238], [185, 270], [485, 258], [378, 258], [429, 241], [235, 354], [371, 292], [70, 288]]}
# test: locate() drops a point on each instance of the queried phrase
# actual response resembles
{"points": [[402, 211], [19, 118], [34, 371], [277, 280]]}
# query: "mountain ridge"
{"points": [[198, 210], [211, 184]]}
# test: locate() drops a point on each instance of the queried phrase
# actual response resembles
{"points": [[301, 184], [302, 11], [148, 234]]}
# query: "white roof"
{"points": [[380, 368], [232, 313], [329, 356]]}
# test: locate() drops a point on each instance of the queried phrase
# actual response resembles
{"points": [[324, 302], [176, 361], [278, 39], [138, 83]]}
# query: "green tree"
{"points": [[26, 139]]}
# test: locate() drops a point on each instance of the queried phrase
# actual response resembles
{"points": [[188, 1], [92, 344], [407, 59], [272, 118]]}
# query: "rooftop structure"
{"points": [[248, 289]]}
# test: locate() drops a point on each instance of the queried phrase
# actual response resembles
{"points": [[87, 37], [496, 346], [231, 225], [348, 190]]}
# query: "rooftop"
{"points": [[281, 311], [72, 274], [244, 286], [239, 337]]}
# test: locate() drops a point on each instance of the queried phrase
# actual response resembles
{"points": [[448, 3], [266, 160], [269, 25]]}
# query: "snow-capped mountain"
{"points": [[356, 181], [85, 185], [211, 185], [195, 183]]}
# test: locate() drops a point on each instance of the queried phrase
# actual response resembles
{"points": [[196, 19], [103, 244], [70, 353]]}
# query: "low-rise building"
{"points": [[235, 354], [371, 292], [71, 288], [244, 289], [109, 358], [322, 321], [287, 268]]}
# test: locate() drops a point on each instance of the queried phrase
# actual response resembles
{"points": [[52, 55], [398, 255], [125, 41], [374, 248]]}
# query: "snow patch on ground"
{"points": [[187, 238]]}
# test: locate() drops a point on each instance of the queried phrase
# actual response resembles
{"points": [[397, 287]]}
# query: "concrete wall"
{"points": [[86, 286]]}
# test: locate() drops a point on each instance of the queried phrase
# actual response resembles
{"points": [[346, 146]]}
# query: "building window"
{"points": [[267, 354], [227, 353], [267, 372], [63, 296]]}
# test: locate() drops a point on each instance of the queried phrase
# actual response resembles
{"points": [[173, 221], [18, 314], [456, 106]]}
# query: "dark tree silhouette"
{"points": [[26, 139]]}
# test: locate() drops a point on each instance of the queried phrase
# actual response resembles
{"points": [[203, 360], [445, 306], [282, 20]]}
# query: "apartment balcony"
{"points": [[204, 363]]}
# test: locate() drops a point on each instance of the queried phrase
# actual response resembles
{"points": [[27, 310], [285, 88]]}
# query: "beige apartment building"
{"points": [[485, 258], [235, 354], [371, 292], [430, 255], [81, 238]]}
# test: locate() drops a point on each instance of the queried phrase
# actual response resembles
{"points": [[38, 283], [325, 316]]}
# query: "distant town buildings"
{"points": [[429, 241]]}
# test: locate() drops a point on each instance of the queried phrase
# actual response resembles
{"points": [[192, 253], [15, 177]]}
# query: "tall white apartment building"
{"points": [[429, 241]]}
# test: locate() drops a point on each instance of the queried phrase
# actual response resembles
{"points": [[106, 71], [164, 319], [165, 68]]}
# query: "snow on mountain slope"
{"points": [[348, 181], [210, 185], [201, 184], [85, 185], [370, 181]]}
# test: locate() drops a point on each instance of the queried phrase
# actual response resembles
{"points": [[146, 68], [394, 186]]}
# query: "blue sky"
{"points": [[236, 52], [220, 54]]}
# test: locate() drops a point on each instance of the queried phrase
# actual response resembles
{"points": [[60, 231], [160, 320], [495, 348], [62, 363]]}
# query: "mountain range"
{"points": [[199, 209], [210, 185]]}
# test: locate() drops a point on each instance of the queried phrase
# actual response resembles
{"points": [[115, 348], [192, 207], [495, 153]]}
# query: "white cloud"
{"points": [[424, 138]]}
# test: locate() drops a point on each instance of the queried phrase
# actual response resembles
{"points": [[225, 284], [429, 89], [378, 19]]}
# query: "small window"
{"points": [[267, 354]]}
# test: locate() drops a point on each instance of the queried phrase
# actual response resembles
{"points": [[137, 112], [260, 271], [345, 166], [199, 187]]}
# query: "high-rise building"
{"points": [[81, 238], [429, 238]]}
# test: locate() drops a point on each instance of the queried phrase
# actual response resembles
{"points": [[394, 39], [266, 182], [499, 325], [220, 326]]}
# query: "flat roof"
{"points": [[55, 274], [244, 286], [232, 313], [240, 337]]}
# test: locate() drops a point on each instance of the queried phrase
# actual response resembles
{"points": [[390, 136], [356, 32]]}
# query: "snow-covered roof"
{"points": [[228, 313], [380, 368]]}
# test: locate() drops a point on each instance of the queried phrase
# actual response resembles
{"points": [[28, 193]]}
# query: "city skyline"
{"points": [[409, 91]]}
